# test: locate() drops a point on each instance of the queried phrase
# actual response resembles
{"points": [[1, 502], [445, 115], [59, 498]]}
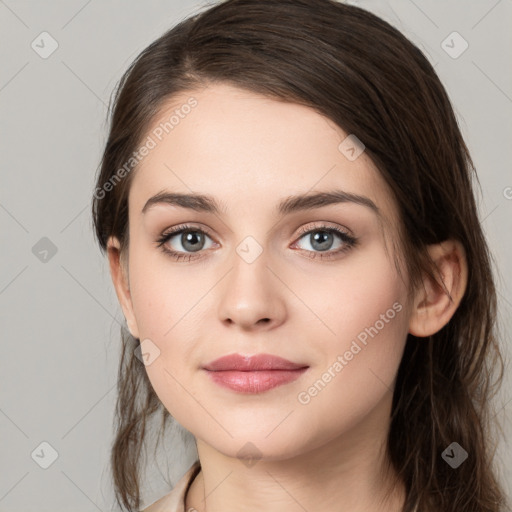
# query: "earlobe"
{"points": [[436, 302], [119, 275]]}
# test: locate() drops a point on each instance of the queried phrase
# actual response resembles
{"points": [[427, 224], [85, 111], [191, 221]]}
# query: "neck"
{"points": [[348, 473]]}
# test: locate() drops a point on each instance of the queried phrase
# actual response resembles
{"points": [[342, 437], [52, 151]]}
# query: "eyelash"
{"points": [[349, 241]]}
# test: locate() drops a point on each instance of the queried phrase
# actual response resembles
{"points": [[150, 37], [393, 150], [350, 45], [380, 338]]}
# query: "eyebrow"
{"points": [[291, 204]]}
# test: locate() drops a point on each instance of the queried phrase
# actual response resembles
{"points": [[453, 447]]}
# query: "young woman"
{"points": [[286, 203]]}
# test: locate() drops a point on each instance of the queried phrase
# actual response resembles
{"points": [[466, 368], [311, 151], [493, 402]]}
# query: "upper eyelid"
{"points": [[318, 224], [323, 225]]}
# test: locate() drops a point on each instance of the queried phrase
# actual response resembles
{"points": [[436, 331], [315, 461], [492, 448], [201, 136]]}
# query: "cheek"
{"points": [[163, 295], [353, 295], [363, 304], [167, 307]]}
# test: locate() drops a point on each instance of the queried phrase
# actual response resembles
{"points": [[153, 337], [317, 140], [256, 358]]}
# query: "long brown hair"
{"points": [[356, 69]]}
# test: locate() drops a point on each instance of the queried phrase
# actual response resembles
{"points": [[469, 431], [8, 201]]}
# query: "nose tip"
{"points": [[250, 296]]}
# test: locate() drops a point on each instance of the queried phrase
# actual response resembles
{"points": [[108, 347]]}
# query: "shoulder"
{"points": [[175, 500]]}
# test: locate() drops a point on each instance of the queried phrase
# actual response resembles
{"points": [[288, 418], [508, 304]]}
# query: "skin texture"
{"points": [[250, 152]]}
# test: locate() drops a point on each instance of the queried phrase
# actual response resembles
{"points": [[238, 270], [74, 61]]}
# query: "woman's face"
{"points": [[267, 276]]}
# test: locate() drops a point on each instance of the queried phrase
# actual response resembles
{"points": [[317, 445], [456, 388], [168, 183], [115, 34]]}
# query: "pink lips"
{"points": [[253, 374]]}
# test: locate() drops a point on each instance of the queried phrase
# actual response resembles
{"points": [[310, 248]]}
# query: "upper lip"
{"points": [[258, 362]]}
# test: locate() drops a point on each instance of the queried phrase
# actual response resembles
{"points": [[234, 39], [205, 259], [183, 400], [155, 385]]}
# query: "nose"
{"points": [[252, 296]]}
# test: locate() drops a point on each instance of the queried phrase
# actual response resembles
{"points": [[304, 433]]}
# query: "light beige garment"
{"points": [[175, 500]]}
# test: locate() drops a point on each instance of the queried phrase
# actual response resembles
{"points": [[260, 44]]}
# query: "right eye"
{"points": [[191, 239]]}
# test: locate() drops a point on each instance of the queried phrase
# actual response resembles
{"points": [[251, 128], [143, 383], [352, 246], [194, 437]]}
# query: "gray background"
{"points": [[60, 317]]}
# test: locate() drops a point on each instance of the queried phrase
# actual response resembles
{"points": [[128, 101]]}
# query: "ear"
{"points": [[119, 274], [433, 307]]}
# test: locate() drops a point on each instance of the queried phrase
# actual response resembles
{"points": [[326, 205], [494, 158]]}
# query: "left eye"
{"points": [[322, 239]]}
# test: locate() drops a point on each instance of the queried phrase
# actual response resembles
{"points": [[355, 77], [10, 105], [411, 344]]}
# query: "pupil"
{"points": [[191, 237], [322, 239]]}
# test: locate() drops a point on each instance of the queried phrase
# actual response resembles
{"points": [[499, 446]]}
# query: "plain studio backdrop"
{"points": [[59, 314]]}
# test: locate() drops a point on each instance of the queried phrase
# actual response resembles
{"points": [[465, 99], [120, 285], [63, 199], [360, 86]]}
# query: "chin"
{"points": [[250, 447]]}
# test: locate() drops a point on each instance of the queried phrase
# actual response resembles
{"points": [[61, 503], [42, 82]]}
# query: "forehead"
{"points": [[246, 149]]}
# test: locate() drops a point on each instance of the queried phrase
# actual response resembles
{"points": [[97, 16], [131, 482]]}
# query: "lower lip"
{"points": [[256, 381]]}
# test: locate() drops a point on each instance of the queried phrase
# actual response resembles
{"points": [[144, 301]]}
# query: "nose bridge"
{"points": [[251, 293]]}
